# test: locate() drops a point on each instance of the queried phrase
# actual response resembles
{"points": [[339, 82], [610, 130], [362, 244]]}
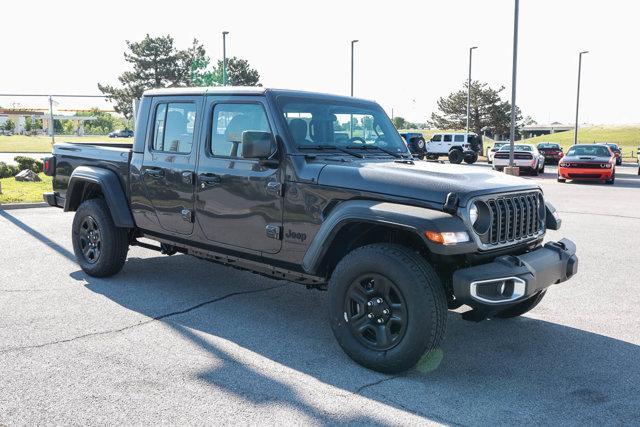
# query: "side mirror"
{"points": [[258, 145]]}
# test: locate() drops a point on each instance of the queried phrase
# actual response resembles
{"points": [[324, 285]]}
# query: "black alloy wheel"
{"points": [[90, 242], [377, 311]]}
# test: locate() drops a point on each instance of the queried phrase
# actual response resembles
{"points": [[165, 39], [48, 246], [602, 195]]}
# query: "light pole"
{"points": [[224, 57], [469, 87], [575, 136], [353, 42], [512, 133]]}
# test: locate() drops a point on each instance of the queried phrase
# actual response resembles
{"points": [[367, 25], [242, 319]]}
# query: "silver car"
{"points": [[525, 156]]}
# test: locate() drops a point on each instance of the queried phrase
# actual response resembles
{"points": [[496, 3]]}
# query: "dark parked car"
{"points": [[123, 133], [616, 152], [415, 142], [551, 151], [257, 179]]}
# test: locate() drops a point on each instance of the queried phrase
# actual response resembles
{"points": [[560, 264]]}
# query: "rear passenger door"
{"points": [[169, 160]]}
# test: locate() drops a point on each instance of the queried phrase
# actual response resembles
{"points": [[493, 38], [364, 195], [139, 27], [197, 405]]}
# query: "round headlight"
{"points": [[473, 213], [480, 217]]}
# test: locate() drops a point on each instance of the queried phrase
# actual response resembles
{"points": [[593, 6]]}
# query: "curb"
{"points": [[11, 206]]}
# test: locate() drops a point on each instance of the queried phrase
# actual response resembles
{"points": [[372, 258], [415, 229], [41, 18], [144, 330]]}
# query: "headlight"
{"points": [[473, 213], [606, 165], [480, 217], [563, 165]]}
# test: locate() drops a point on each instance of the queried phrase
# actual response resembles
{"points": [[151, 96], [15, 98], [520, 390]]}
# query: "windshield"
{"points": [[549, 146], [314, 123], [517, 147], [613, 146], [589, 150]]}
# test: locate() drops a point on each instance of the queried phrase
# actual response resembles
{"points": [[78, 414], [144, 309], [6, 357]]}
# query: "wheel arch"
{"points": [[87, 182], [357, 223]]}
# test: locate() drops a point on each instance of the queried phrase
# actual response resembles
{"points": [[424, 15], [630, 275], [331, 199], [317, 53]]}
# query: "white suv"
{"points": [[457, 146]]}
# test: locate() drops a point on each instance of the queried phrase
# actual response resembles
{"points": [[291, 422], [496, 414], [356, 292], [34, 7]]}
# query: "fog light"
{"points": [[448, 237]]}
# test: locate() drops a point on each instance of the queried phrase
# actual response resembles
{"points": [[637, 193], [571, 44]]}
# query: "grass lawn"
{"points": [[14, 191], [42, 144]]}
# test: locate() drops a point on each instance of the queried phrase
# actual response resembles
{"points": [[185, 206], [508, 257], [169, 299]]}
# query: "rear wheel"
{"points": [[100, 247], [471, 158], [523, 307], [456, 156], [387, 307]]}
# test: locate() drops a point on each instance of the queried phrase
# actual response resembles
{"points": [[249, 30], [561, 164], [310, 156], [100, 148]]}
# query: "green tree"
{"points": [[155, 63], [9, 125], [399, 122], [488, 110], [32, 125], [104, 123], [239, 73]]}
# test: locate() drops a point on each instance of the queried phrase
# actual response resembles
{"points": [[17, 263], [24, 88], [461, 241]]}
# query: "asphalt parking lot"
{"points": [[178, 340]]}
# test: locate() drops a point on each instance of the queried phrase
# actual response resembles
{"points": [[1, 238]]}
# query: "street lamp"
{"points": [[224, 57], [469, 87], [575, 136], [353, 42], [512, 133]]}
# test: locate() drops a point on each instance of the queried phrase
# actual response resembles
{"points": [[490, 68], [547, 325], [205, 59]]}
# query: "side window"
{"points": [[229, 121], [436, 138], [173, 127], [447, 138], [458, 138]]}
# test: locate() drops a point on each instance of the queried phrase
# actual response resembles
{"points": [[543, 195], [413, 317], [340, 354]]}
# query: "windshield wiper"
{"points": [[375, 147], [330, 147]]}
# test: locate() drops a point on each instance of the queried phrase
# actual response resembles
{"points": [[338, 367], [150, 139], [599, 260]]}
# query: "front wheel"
{"points": [[100, 247], [612, 180], [387, 307]]}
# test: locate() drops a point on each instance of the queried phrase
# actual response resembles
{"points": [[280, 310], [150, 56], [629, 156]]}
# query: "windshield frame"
{"points": [[371, 148]]}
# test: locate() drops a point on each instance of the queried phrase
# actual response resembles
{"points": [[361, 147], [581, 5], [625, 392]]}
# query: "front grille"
{"points": [[585, 165], [585, 175], [514, 218]]}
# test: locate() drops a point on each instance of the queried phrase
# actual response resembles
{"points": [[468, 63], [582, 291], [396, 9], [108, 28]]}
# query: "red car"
{"points": [[551, 151], [592, 162]]}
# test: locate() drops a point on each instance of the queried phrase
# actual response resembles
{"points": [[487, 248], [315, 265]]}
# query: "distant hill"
{"points": [[628, 137]]}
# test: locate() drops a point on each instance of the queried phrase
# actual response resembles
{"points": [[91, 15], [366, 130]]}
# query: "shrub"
{"points": [[28, 163], [8, 171]]}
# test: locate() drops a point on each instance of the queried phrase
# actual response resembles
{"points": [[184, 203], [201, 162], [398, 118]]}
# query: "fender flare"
{"points": [[111, 188], [410, 218]]}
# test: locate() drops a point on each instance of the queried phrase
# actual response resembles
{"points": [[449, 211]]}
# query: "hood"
{"points": [[586, 159], [421, 180]]}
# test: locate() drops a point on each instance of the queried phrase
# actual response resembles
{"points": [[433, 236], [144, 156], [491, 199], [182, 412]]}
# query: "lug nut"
{"points": [[379, 300], [370, 315], [379, 320], [385, 311], [369, 304]]}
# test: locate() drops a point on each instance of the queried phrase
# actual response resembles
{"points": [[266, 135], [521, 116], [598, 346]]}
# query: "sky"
{"points": [[409, 53]]}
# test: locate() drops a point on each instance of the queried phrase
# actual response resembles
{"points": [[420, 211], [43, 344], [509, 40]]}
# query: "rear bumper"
{"points": [[53, 199], [521, 163], [509, 280], [584, 173]]}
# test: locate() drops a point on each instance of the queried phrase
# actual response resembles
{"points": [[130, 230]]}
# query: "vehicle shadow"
{"points": [[496, 371]]}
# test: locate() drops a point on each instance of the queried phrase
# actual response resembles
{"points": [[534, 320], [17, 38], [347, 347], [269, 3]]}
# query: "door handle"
{"points": [[154, 172], [187, 177], [209, 180]]}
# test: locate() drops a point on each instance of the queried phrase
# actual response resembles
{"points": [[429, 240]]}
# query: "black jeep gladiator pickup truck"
{"points": [[320, 190]]}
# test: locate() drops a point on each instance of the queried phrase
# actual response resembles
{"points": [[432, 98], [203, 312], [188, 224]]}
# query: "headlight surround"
{"points": [[606, 165], [481, 220], [563, 165]]}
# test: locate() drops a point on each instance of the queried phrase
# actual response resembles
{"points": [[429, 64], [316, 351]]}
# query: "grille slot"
{"points": [[514, 218]]}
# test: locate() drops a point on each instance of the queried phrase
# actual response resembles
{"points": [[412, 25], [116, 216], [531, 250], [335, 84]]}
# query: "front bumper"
{"points": [[585, 173], [509, 280]]}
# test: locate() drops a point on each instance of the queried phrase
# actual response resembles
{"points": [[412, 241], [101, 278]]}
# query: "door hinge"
{"points": [[275, 188], [274, 231], [187, 215]]}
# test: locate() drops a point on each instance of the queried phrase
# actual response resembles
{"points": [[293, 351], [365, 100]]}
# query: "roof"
{"points": [[241, 90]]}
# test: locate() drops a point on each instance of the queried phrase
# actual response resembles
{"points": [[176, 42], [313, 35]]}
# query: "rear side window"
{"points": [[458, 138], [173, 127], [447, 138], [230, 121]]}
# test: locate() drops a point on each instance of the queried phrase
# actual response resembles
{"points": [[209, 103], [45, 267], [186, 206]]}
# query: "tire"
{"points": [[561, 179], [612, 180], [431, 157], [535, 171], [542, 170], [523, 307], [104, 255], [456, 156], [420, 144], [416, 289], [471, 159]]}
